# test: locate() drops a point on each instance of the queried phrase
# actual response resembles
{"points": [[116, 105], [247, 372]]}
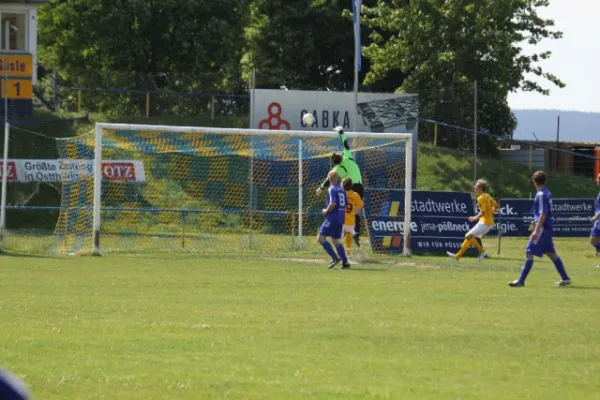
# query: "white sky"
{"points": [[575, 59]]}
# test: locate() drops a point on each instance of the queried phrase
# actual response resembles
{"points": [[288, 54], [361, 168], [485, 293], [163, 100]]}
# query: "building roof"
{"points": [[541, 125]]}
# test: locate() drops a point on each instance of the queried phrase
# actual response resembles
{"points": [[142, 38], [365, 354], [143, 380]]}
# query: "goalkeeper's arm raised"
{"points": [[345, 146], [337, 159]]}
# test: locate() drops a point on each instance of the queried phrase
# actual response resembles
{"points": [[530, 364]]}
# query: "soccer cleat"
{"points": [[482, 256], [563, 282], [516, 283], [356, 240], [346, 266], [452, 255], [334, 263]]}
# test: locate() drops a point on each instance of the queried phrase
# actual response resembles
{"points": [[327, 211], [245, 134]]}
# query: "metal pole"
{"points": [[252, 97], [97, 189], [557, 138], [475, 131], [499, 225], [147, 104], [251, 174], [300, 200], [4, 156], [356, 55], [251, 198]]}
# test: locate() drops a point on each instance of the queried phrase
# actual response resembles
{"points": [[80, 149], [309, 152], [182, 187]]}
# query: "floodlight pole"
{"points": [[356, 59]]}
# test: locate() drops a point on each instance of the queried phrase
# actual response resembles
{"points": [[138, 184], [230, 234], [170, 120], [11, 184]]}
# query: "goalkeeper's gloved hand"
{"points": [[319, 191], [339, 129]]}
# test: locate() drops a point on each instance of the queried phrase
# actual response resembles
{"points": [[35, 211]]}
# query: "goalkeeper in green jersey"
{"points": [[346, 167]]}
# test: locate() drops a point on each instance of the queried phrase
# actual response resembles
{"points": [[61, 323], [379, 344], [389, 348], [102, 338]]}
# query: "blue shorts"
{"points": [[332, 229], [542, 245], [596, 230]]}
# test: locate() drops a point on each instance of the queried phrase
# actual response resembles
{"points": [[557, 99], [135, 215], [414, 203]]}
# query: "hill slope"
{"points": [[448, 170]]}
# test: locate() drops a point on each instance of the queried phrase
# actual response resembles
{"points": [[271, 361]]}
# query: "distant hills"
{"points": [[575, 126]]}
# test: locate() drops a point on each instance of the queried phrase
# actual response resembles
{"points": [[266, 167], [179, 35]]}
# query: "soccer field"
{"points": [[162, 326]]}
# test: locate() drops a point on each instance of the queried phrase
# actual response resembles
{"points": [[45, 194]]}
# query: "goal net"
{"points": [[139, 188]]}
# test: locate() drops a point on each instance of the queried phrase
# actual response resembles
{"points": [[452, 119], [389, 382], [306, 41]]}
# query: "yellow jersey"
{"points": [[354, 201], [487, 205]]}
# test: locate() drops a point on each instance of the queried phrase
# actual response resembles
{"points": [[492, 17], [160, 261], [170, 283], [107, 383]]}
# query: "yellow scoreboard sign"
{"points": [[19, 70], [16, 65], [17, 89]]}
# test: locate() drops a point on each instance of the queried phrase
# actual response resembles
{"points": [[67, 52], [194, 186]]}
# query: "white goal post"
{"points": [[407, 138]]}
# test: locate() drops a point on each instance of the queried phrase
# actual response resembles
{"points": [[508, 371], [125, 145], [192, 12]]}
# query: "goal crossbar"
{"points": [[248, 132]]}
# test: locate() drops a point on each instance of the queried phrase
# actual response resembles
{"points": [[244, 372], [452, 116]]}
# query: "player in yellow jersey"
{"points": [[353, 207], [487, 205]]}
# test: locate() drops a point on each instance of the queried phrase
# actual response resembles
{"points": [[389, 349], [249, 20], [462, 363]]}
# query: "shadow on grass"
{"points": [[584, 287], [25, 255], [367, 269]]}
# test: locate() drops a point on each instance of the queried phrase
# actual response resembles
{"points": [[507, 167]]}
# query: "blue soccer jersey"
{"points": [[596, 227], [337, 195], [542, 204], [334, 221]]}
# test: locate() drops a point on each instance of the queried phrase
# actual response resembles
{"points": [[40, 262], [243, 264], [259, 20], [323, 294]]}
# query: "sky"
{"points": [[575, 59]]}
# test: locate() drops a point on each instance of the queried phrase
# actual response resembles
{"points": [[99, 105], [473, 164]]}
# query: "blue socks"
{"points": [[525, 271], [342, 252], [597, 247], [558, 264], [329, 249]]}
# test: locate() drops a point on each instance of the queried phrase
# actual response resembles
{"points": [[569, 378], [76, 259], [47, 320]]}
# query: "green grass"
{"points": [[443, 169], [185, 326]]}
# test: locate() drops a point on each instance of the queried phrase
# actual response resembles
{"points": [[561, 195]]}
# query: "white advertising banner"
{"points": [[70, 170], [377, 112]]}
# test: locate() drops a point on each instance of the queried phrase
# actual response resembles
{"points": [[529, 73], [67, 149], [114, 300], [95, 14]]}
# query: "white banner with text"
{"points": [[71, 170]]}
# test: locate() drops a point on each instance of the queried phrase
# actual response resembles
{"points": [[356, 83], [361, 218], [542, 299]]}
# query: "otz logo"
{"points": [[273, 120]]}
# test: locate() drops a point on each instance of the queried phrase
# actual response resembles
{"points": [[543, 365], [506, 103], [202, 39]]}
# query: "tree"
{"points": [[300, 44], [145, 44], [443, 46]]}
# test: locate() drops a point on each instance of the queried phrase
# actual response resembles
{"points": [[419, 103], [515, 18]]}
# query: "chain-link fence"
{"points": [[208, 99]]}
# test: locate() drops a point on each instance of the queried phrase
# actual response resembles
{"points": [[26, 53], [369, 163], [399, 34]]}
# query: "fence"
{"points": [[581, 159], [198, 99]]}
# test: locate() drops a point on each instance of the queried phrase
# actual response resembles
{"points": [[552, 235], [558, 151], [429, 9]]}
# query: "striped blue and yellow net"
{"points": [[208, 192]]}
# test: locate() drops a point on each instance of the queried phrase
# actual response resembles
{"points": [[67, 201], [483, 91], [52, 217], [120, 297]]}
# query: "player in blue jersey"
{"points": [[332, 227], [540, 241], [595, 235]]}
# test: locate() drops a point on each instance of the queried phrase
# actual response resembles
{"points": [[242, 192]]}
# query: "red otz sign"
{"points": [[11, 171], [124, 171]]}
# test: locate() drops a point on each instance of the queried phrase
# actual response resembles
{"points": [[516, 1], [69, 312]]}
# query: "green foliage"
{"points": [[300, 44], [444, 46], [190, 45]]}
